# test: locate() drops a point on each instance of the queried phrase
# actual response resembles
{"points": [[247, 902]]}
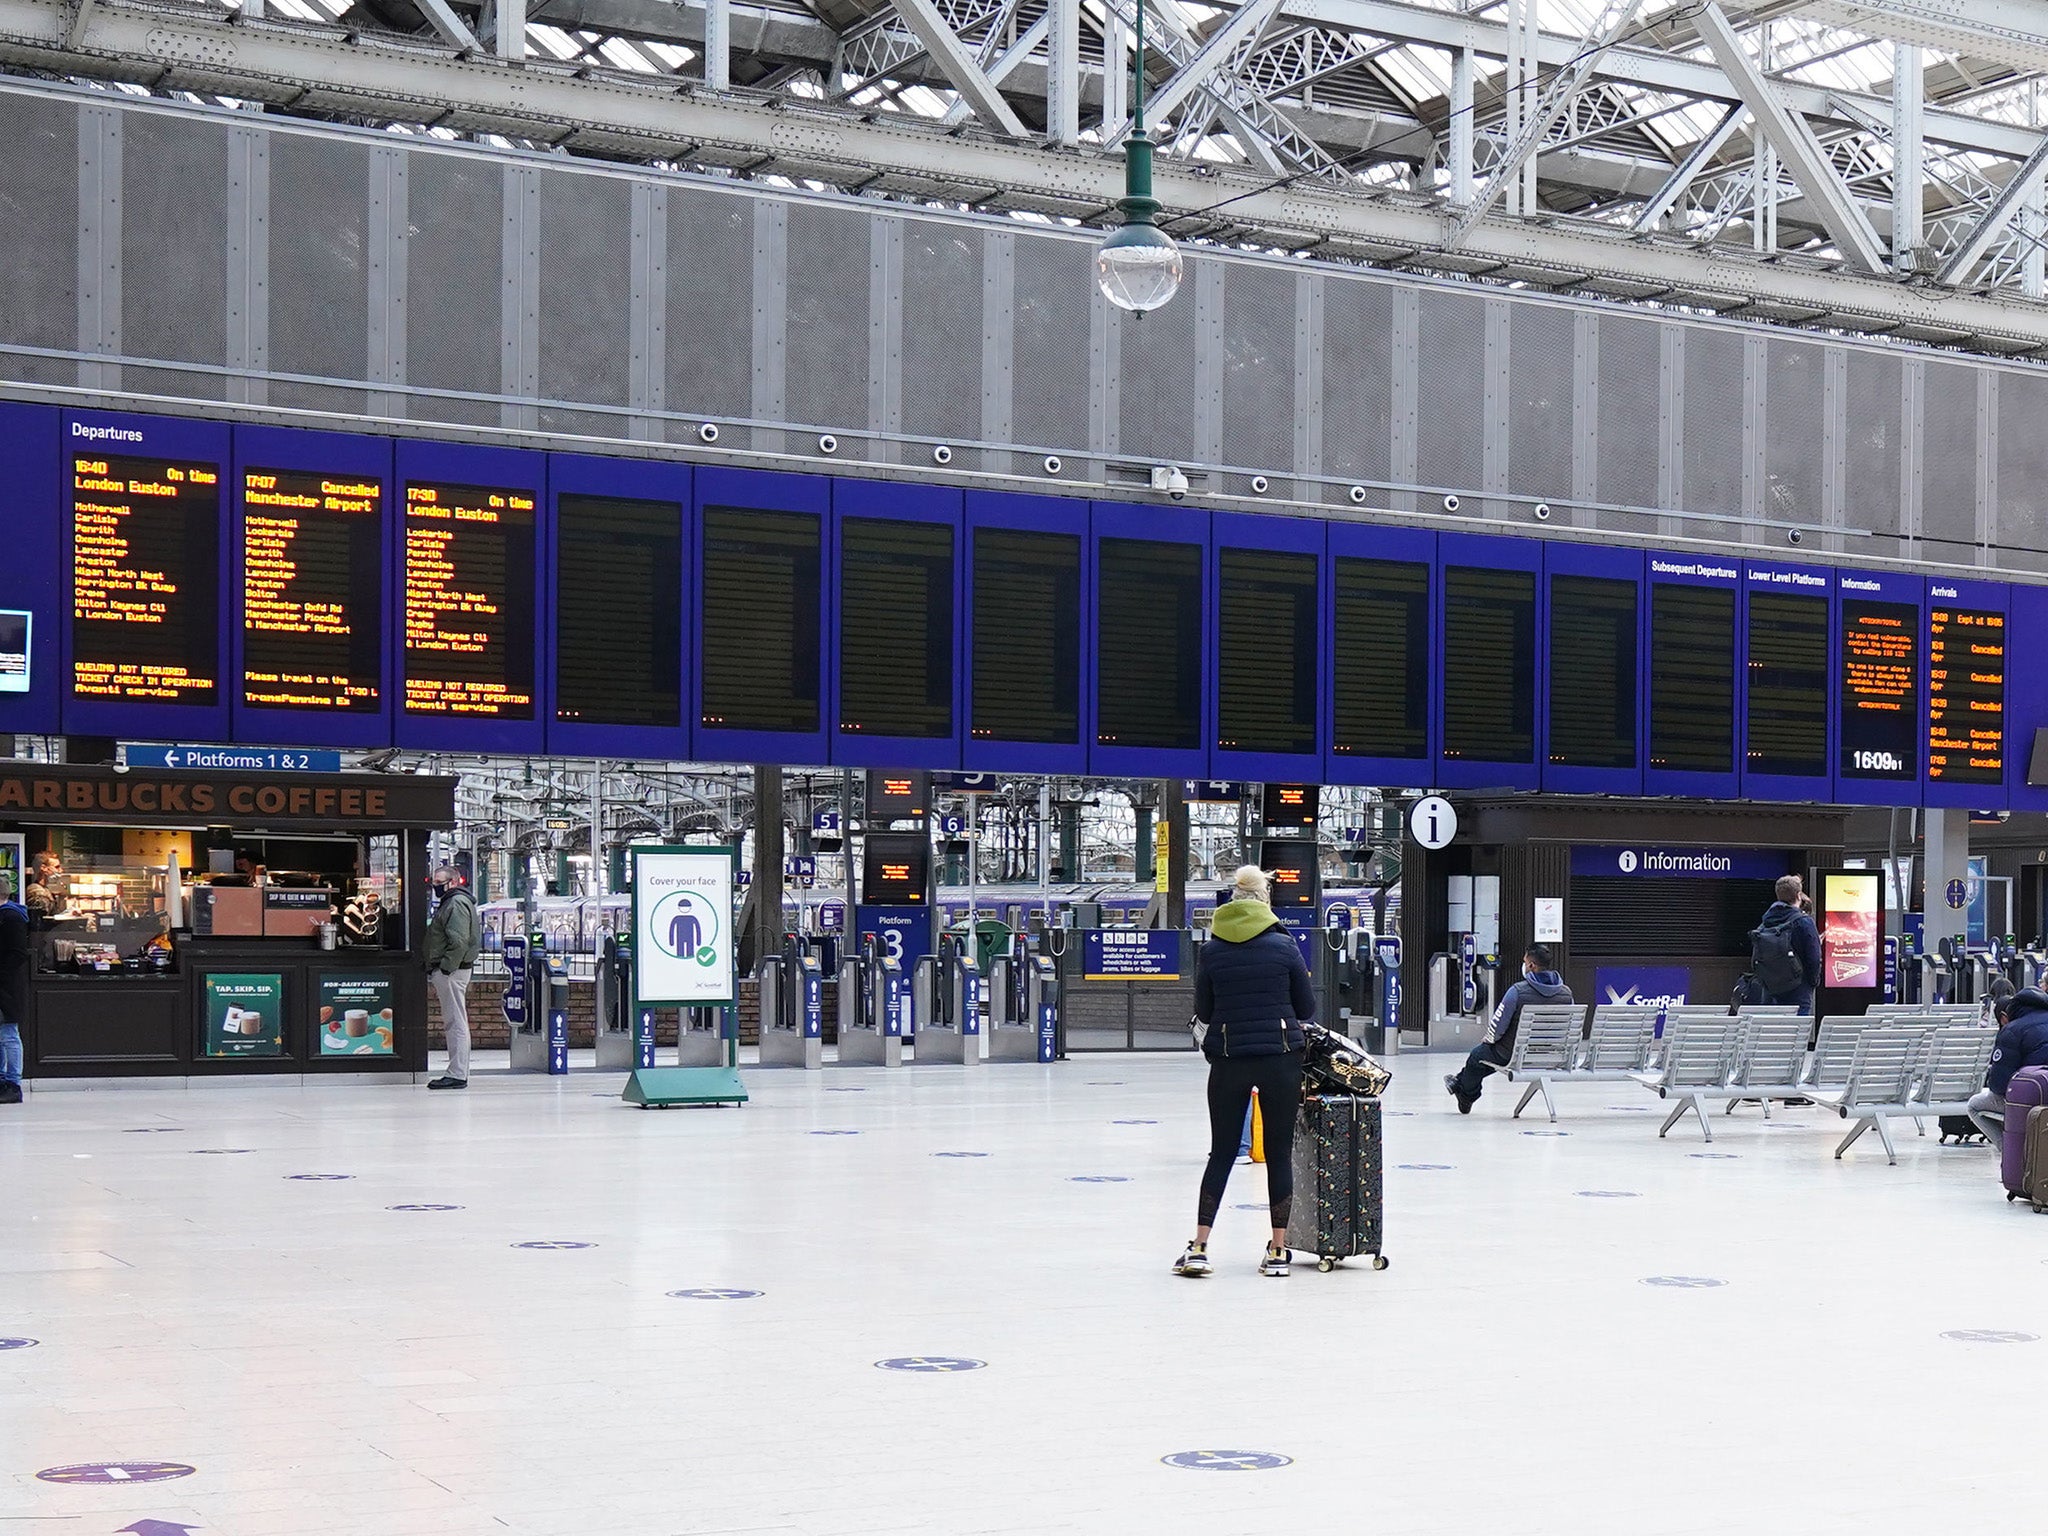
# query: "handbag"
{"points": [[1335, 1064]]}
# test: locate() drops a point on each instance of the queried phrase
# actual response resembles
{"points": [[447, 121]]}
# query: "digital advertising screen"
{"points": [[1593, 624], [1489, 664], [1880, 697], [1290, 866], [1148, 680], [1266, 645], [618, 610], [1851, 928], [759, 639], [312, 590], [145, 579], [1382, 658], [1027, 636], [1788, 684], [895, 627], [469, 620], [895, 869], [1692, 678], [1292, 806], [897, 796], [1966, 659]]}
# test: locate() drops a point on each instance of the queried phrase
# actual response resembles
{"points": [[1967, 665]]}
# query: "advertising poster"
{"points": [[683, 949], [244, 1014], [1851, 901], [358, 1013]]}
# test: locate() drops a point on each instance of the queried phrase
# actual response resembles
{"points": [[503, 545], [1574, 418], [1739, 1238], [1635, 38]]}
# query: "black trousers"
{"points": [[1479, 1066], [1231, 1081]]}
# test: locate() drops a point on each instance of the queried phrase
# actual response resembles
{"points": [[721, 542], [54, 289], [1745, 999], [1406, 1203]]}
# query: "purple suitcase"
{"points": [[2029, 1086]]}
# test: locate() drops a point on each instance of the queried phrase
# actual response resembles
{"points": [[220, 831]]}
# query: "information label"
{"points": [[468, 601], [682, 925], [1965, 695], [1120, 954], [312, 590], [145, 579]]}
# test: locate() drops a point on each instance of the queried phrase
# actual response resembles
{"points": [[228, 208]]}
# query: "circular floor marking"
{"points": [[1398, 1114], [1685, 1282], [959, 1154], [116, 1472], [846, 1090], [1252, 1206], [220, 1151], [1117, 1084], [1134, 1122], [1098, 1178], [1546, 1133], [17, 1343], [1427, 1167], [1608, 1194], [1990, 1336], [319, 1178], [1715, 1157], [1630, 1109], [930, 1365], [422, 1207], [553, 1244], [835, 1133], [152, 1130], [1227, 1461], [713, 1293]]}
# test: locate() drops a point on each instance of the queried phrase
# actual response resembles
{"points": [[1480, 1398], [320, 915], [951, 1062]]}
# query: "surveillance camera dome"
{"points": [[1176, 495], [828, 444], [1794, 536], [1543, 511], [1358, 494], [709, 431], [1052, 464], [1451, 503], [942, 454], [1259, 484]]}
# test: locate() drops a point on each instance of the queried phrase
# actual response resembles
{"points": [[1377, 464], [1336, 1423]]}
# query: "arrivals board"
{"points": [[618, 610], [760, 635], [1878, 680], [468, 584], [896, 627], [145, 578], [1489, 675], [1593, 628], [1381, 658], [1266, 650], [1148, 677], [1966, 690], [1027, 636], [312, 590], [1788, 684], [1692, 675]]}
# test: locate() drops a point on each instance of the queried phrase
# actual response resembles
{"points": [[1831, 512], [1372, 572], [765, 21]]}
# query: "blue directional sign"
{"points": [[138, 754], [966, 783], [1227, 1461], [801, 870]]}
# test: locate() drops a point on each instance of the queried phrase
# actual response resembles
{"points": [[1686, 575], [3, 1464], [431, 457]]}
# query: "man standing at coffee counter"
{"points": [[14, 974], [454, 935]]}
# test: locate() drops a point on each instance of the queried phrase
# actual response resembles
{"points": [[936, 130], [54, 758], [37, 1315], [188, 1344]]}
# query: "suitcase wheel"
{"points": [[1325, 1264], [1380, 1261]]}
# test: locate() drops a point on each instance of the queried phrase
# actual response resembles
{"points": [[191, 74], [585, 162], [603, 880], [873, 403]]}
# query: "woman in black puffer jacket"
{"points": [[1252, 991]]}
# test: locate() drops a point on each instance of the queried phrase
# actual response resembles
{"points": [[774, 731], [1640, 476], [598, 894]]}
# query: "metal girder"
{"points": [[1997, 218], [449, 25], [718, 44], [1240, 32], [959, 66], [1652, 213], [1004, 65], [2010, 32], [1788, 134]]}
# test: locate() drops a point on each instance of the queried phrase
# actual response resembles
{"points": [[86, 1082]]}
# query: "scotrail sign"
{"points": [[683, 948]]}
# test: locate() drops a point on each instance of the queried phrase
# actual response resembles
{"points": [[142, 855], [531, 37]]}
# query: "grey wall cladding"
{"points": [[942, 329], [1629, 424], [1540, 414], [455, 212], [1948, 461], [1259, 402], [709, 362], [827, 295], [38, 235], [1874, 445], [586, 298], [1358, 378], [174, 286], [1159, 416], [319, 268], [1795, 432], [1716, 449], [1451, 396], [2023, 469], [1051, 358]]}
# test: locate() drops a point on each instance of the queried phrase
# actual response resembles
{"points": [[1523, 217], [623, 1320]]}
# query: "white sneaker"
{"points": [[1194, 1263]]}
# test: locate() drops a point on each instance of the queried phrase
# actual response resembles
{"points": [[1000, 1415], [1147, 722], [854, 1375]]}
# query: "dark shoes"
{"points": [[449, 1082], [1451, 1087], [10, 1093]]}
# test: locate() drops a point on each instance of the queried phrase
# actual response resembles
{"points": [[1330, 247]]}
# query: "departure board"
{"points": [[1382, 661], [1692, 678], [897, 796], [1148, 678], [1593, 623], [1489, 664], [1266, 650], [468, 601], [312, 590], [895, 869], [145, 579], [759, 641], [1788, 685], [895, 627], [1880, 683], [1027, 636], [1965, 695], [618, 611], [1290, 807], [1290, 866]]}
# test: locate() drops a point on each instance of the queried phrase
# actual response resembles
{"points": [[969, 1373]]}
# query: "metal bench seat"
{"points": [[1546, 1043], [1699, 1053], [1890, 1061]]}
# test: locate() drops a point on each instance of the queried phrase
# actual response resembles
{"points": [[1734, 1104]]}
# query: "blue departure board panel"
{"points": [[32, 586], [1491, 659], [1269, 647], [1593, 670], [1789, 660], [1383, 671], [1879, 678], [1968, 653], [1027, 573], [1693, 719], [1154, 709], [898, 694]]}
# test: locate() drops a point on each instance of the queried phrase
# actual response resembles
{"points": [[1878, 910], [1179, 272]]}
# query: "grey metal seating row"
{"points": [[1559, 1043], [1900, 1071]]}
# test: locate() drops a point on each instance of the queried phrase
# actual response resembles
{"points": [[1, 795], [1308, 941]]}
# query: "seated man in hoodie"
{"points": [[2022, 1042], [1539, 984]]}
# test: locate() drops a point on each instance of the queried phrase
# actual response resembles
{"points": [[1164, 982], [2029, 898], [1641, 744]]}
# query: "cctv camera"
{"points": [[1168, 478], [1793, 536], [1052, 464], [1451, 503], [1259, 483], [942, 454], [1358, 494], [709, 431], [1542, 511], [828, 444]]}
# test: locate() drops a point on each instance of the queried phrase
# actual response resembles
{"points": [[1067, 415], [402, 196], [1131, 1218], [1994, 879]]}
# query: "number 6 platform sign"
{"points": [[683, 948]]}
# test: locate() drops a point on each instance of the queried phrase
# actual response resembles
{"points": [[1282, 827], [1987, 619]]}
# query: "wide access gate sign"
{"points": [[683, 949]]}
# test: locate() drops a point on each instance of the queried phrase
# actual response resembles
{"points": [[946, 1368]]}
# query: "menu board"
{"points": [[1788, 685], [312, 590], [1148, 680], [145, 579], [1592, 672], [1266, 650], [1692, 678], [895, 627], [1965, 695], [895, 869], [1880, 675], [468, 601], [760, 641], [1382, 659], [618, 610], [1027, 636], [1489, 664]]}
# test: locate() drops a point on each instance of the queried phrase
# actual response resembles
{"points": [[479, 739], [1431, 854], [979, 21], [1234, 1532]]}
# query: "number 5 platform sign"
{"points": [[683, 949]]}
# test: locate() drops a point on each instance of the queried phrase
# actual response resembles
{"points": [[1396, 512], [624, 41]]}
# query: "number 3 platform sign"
{"points": [[683, 948]]}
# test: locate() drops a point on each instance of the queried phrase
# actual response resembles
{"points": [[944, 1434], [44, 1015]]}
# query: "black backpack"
{"points": [[1773, 961]]}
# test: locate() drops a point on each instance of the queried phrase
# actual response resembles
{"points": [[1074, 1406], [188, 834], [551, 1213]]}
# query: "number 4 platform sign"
{"points": [[683, 949]]}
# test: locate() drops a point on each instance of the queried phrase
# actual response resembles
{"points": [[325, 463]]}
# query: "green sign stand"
{"points": [[662, 1087]]}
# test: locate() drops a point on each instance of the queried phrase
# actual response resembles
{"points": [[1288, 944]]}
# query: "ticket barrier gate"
{"points": [[872, 1007], [792, 1008], [2033, 964], [618, 1031], [1364, 1001], [1461, 998], [945, 1000], [1937, 973], [1023, 1005], [539, 1036]]}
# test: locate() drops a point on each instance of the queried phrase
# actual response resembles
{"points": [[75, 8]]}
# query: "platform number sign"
{"points": [[1432, 822]]}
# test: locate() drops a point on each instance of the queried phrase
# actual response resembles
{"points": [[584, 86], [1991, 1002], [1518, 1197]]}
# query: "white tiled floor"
{"points": [[329, 1364]]}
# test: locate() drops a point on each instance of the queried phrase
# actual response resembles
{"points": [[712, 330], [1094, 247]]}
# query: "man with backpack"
{"points": [[1784, 949]]}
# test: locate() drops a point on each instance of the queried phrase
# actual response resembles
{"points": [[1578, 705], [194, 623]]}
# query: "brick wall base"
{"points": [[488, 1030]]}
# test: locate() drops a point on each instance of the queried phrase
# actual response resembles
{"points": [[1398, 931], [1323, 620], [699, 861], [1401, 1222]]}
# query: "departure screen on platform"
{"points": [[618, 611], [469, 601], [312, 590], [1692, 678], [1788, 684], [1880, 676], [1966, 660], [895, 627], [1027, 636], [1382, 658], [1290, 866], [1489, 664], [1148, 679], [895, 869], [1592, 672], [1266, 651], [145, 579], [760, 635]]}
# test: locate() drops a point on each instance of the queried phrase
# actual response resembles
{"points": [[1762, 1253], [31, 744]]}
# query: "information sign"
{"points": [[249, 759], [1966, 659], [1880, 679], [1432, 822], [1121, 954], [682, 925], [145, 578], [312, 590]]}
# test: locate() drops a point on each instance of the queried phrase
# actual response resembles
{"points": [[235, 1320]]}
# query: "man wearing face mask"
{"points": [[1539, 984], [454, 935]]}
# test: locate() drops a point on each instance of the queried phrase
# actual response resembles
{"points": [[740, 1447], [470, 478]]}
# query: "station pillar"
{"points": [[1947, 849]]}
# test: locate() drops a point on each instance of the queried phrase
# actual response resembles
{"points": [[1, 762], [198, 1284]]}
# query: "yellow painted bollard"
{"points": [[1258, 1130]]}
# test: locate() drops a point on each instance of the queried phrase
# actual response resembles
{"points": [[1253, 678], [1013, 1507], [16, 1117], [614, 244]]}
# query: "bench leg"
{"points": [[1523, 1102], [1884, 1134], [1849, 1140], [1767, 1107], [1920, 1123], [1548, 1103], [1700, 1108], [1672, 1119]]}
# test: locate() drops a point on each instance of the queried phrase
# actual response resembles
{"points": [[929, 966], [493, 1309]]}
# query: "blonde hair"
{"points": [[1249, 883]]}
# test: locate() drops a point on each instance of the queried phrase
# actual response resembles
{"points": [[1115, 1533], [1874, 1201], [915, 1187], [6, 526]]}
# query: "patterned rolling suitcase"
{"points": [[2028, 1088], [1338, 1209]]}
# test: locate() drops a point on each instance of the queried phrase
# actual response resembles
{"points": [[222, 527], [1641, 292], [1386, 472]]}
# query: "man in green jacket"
{"points": [[454, 935]]}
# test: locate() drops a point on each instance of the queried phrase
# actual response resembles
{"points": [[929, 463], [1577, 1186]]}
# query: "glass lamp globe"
{"points": [[1138, 267]]}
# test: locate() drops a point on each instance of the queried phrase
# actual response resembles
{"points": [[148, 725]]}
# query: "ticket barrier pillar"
{"points": [[528, 961], [1023, 1005], [946, 998], [1935, 974], [702, 1033], [872, 1007], [792, 1008], [618, 1033], [1382, 1034]]}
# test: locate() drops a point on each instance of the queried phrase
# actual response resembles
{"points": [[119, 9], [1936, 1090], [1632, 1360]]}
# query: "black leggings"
{"points": [[1231, 1081]]}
